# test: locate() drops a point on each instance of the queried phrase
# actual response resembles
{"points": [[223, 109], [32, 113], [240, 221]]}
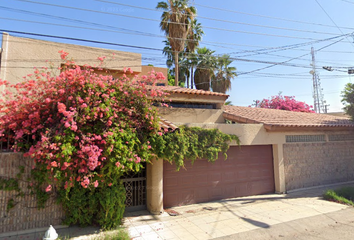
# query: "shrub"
{"points": [[84, 130]]}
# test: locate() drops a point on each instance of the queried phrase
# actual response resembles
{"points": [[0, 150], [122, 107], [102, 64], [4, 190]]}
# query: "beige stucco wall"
{"points": [[20, 55], [191, 115], [321, 163]]}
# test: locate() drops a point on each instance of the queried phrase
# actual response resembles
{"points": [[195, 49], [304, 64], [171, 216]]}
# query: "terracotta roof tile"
{"points": [[287, 119], [165, 124], [174, 89]]}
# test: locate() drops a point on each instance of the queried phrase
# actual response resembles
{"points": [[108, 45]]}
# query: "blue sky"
{"points": [[253, 32]]}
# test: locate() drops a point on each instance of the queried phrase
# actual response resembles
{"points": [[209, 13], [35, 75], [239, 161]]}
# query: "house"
{"points": [[19, 56], [280, 150]]}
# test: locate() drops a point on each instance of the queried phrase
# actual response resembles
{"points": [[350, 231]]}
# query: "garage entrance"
{"points": [[247, 171]]}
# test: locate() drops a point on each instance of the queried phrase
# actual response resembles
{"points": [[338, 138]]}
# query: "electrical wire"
{"points": [[221, 20], [332, 21], [270, 17], [284, 63], [156, 20]]}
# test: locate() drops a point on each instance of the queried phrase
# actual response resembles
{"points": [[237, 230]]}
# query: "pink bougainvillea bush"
{"points": [[84, 131], [280, 102]]}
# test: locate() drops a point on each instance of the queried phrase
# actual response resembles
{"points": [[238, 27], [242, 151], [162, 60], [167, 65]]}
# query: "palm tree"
{"points": [[183, 69], [167, 51], [221, 81], [205, 68], [183, 66], [193, 39], [175, 22]]}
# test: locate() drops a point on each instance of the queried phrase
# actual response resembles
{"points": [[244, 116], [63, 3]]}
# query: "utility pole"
{"points": [[318, 101]]}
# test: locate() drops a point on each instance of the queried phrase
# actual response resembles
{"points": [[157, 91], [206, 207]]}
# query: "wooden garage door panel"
{"points": [[247, 171]]}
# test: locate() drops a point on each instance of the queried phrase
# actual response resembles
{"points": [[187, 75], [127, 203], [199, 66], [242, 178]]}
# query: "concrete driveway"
{"points": [[274, 216]]}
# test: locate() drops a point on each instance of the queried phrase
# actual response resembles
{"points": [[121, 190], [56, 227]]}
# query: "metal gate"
{"points": [[135, 188]]}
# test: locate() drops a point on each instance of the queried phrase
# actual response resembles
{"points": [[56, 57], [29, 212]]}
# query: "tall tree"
{"points": [[183, 66], [175, 22], [221, 81], [348, 99], [193, 39], [205, 68], [167, 51]]}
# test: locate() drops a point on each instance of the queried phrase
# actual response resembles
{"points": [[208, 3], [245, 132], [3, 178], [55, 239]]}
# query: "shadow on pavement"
{"points": [[255, 223]]}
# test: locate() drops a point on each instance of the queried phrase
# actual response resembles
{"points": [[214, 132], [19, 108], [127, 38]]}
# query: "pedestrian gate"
{"points": [[135, 188]]}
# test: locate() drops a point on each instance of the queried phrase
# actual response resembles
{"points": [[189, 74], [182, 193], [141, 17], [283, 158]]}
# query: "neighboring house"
{"points": [[19, 56]]}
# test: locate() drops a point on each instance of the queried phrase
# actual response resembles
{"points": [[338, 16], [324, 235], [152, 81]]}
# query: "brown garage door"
{"points": [[247, 171]]}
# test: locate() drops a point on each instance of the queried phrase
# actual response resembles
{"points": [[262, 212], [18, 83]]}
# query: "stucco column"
{"points": [[154, 178], [278, 163]]}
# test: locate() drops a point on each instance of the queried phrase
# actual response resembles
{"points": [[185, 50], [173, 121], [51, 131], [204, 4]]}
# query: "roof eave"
{"points": [[239, 119]]}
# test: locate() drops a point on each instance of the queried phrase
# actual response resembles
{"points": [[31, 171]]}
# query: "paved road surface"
{"points": [[331, 226]]}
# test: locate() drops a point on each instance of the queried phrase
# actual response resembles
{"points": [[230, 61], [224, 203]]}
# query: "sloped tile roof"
{"points": [[167, 125], [272, 118], [176, 89]]}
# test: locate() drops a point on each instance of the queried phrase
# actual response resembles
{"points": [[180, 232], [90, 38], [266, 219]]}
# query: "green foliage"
{"points": [[10, 204], [10, 184], [343, 195], [80, 205], [103, 205], [348, 99], [119, 234], [192, 144], [112, 206], [171, 79], [37, 187]]}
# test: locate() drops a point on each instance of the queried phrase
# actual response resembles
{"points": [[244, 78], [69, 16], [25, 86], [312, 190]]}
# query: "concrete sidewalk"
{"points": [[231, 216], [238, 218]]}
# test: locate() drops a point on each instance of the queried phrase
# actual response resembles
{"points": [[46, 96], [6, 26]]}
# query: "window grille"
{"points": [[341, 137], [305, 138]]}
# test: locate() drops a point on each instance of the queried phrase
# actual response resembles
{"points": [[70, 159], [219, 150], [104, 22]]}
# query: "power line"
{"points": [[284, 63], [332, 20], [347, 1], [84, 22], [155, 20], [79, 39], [108, 26], [101, 42], [151, 35], [270, 17], [122, 32], [275, 64], [221, 20]]}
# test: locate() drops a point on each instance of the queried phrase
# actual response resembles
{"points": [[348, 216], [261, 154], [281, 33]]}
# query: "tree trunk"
{"points": [[192, 77], [176, 68]]}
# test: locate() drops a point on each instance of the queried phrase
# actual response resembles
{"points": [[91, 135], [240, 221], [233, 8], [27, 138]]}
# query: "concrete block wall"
{"points": [[25, 214], [314, 164]]}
